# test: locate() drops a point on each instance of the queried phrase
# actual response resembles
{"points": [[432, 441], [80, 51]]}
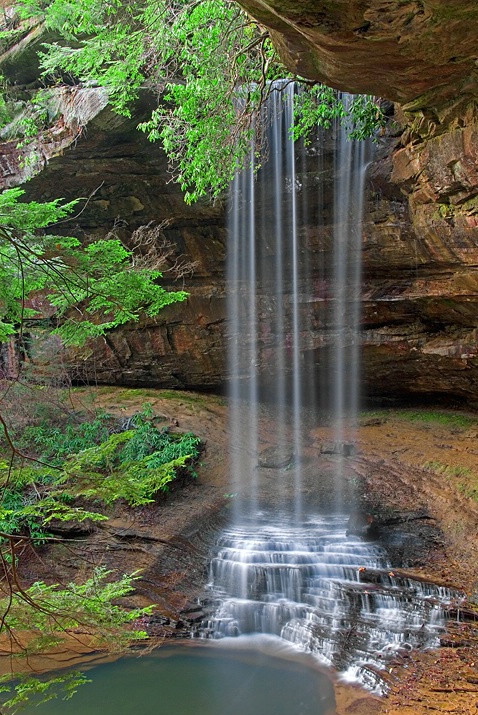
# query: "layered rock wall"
{"points": [[420, 238], [125, 183], [422, 52]]}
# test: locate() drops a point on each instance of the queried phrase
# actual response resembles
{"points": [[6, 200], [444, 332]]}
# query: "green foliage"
{"points": [[438, 417], [39, 690], [23, 121], [93, 288], [317, 107], [94, 460], [132, 465], [13, 519], [48, 612], [321, 106], [31, 499], [90, 604], [54, 443], [210, 65], [6, 113], [30, 216], [444, 418], [148, 441], [102, 460]]}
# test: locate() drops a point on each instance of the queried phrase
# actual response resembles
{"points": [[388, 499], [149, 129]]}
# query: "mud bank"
{"points": [[412, 472]]}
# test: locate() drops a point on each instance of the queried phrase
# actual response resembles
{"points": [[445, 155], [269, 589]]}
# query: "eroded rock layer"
{"points": [[420, 232], [422, 314], [420, 236], [127, 181], [423, 51], [420, 297]]}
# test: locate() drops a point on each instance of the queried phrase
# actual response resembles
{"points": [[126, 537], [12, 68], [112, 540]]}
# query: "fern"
{"points": [[86, 461]]}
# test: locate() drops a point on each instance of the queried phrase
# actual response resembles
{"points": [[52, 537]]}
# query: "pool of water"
{"points": [[200, 680]]}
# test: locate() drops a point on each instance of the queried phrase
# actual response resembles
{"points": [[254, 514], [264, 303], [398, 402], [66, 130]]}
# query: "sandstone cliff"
{"points": [[420, 297], [421, 236], [421, 52]]}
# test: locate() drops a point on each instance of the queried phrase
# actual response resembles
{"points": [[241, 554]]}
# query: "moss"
{"points": [[446, 211], [454, 420], [194, 398], [449, 13], [444, 418], [468, 484], [470, 206]]}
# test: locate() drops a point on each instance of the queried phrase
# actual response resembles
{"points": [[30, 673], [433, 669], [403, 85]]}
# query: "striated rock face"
{"points": [[420, 50], [104, 157], [421, 319], [420, 284], [420, 234]]}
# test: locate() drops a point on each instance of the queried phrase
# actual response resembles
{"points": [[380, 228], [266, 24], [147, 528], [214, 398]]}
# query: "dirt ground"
{"points": [[410, 469], [409, 465]]}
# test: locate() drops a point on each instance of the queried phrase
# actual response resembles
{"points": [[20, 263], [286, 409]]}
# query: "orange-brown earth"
{"points": [[420, 467]]}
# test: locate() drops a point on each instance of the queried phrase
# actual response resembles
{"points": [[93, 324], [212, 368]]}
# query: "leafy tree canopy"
{"points": [[209, 64], [90, 288]]}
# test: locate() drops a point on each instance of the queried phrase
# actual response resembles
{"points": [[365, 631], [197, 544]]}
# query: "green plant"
{"points": [[447, 470], [322, 106], [209, 64], [138, 464], [93, 288], [47, 613], [31, 499], [468, 484], [445, 418], [100, 460], [6, 112], [96, 459], [54, 443]]}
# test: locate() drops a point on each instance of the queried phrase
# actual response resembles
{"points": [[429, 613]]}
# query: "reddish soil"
{"points": [[422, 469]]}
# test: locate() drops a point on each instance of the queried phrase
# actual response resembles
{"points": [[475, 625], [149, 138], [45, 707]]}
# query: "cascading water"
{"points": [[332, 594], [351, 159], [292, 573]]}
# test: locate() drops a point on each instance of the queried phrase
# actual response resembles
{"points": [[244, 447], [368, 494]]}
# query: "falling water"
{"points": [[243, 311], [265, 277], [276, 293], [351, 159], [295, 574]]}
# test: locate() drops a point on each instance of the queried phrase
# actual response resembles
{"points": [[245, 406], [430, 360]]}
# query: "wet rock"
{"points": [[71, 529], [420, 228], [195, 615], [373, 422], [276, 457], [344, 449], [361, 524]]}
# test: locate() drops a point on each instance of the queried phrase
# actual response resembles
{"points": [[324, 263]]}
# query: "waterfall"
{"points": [[293, 573], [284, 306], [265, 289], [331, 594], [351, 160]]}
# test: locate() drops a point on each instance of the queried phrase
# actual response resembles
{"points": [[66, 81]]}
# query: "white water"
{"points": [[266, 277], [286, 299], [297, 575], [350, 167], [329, 593]]}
